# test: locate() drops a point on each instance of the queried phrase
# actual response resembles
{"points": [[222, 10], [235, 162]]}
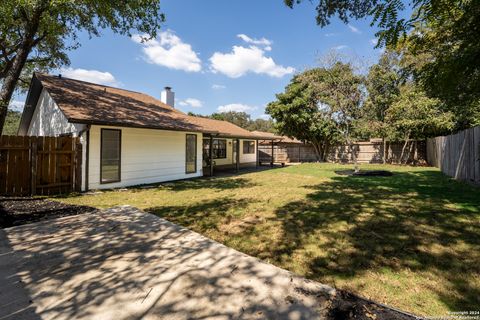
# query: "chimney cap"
{"points": [[168, 88]]}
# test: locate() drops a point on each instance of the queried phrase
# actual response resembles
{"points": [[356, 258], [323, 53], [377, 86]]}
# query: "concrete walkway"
{"points": [[127, 264]]}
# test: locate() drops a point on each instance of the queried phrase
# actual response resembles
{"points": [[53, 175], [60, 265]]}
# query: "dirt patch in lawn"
{"points": [[18, 211], [348, 306]]}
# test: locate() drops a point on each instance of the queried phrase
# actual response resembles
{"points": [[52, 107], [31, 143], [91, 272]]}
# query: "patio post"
{"points": [[237, 162], [273, 159], [210, 155], [258, 158]]}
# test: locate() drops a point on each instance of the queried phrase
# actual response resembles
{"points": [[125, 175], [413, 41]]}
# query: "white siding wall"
{"points": [[49, 120], [148, 156], [229, 158], [244, 158]]}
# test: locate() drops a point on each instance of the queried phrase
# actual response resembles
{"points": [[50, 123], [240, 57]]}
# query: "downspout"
{"points": [[87, 151]]}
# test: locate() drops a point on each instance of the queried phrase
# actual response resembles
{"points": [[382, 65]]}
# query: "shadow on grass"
{"points": [[219, 183], [405, 222], [216, 183], [202, 216]]}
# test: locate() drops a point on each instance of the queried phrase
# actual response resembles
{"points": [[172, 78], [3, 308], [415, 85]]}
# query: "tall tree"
{"points": [[241, 119], [262, 125], [441, 42], [340, 90], [415, 116], [383, 87], [36, 34], [385, 14], [449, 40], [12, 122], [320, 106]]}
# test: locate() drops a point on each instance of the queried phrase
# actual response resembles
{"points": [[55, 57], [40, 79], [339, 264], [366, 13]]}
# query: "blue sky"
{"points": [[220, 55]]}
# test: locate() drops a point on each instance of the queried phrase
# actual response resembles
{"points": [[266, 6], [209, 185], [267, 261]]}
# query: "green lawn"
{"points": [[411, 240]]}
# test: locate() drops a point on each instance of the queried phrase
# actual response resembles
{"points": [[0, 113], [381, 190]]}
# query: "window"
{"points": [[248, 147], [110, 155], [219, 148], [191, 153]]}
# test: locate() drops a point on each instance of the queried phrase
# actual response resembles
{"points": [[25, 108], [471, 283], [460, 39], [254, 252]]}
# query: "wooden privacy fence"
{"points": [[39, 165], [457, 155], [366, 152]]}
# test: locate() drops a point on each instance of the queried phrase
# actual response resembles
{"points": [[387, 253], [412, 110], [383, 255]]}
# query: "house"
{"points": [[130, 138]]}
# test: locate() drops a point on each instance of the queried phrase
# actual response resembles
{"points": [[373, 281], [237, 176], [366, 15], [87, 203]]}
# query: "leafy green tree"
{"points": [[339, 89], [241, 119], [262, 125], [440, 45], [36, 34], [385, 14], [416, 116], [320, 106], [449, 41], [383, 87], [12, 122]]}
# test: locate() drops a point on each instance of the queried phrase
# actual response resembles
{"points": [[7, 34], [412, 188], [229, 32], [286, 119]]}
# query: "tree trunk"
{"points": [[403, 149], [13, 74], [384, 150], [317, 149], [354, 155], [415, 153], [409, 151]]}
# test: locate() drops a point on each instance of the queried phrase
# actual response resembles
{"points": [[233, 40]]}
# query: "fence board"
{"points": [[457, 155], [366, 152], [39, 165]]}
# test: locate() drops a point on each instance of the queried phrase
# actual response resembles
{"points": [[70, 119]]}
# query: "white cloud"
{"points": [[170, 51], [353, 29], [16, 105], [191, 102], [257, 42], [340, 47], [242, 60], [237, 107], [330, 34], [374, 41], [218, 86], [94, 76]]}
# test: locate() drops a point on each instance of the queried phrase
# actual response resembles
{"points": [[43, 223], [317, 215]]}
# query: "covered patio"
{"points": [[226, 153]]}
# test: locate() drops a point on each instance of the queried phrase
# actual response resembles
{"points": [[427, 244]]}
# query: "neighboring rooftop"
{"points": [[273, 136], [89, 103]]}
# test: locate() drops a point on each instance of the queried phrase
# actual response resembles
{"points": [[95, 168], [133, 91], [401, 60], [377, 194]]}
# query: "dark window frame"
{"points": [[186, 150], [119, 156], [215, 151], [248, 144]]}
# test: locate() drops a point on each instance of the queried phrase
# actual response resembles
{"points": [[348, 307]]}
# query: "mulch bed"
{"points": [[18, 211], [347, 306], [365, 173]]}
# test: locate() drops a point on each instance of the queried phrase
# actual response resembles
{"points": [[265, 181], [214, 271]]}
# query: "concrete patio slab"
{"points": [[127, 264]]}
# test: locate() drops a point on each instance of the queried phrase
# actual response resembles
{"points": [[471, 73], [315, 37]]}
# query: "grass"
{"points": [[411, 241]]}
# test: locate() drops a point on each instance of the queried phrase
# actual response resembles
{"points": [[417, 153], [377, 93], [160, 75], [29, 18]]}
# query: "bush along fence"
{"points": [[39, 165], [457, 155], [413, 152]]}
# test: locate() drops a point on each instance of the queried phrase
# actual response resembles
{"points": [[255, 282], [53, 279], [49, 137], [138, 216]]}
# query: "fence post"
{"points": [[33, 165]]}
